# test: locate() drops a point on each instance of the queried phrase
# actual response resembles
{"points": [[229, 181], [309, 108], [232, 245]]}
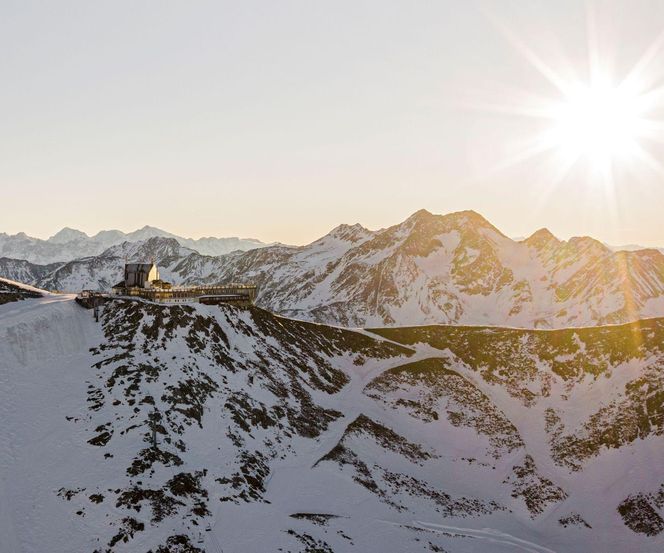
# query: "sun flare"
{"points": [[601, 123]]}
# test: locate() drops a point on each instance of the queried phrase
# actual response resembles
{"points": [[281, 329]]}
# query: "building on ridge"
{"points": [[142, 280], [140, 274]]}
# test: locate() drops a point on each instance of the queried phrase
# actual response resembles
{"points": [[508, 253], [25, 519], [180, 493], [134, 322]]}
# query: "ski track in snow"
{"points": [[42, 342], [488, 534]]}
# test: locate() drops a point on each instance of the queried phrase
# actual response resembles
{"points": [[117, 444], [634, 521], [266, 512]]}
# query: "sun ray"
{"points": [[537, 146], [506, 109], [548, 187], [635, 78], [529, 55], [595, 67], [653, 130], [648, 159], [522, 102], [601, 120]]}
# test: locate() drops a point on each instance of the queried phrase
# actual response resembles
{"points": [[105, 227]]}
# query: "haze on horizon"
{"points": [[279, 121]]}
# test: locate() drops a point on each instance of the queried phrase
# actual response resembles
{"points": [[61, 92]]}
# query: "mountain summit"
{"points": [[67, 235]]}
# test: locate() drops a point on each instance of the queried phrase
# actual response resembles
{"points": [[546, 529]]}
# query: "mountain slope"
{"points": [[142, 431]]}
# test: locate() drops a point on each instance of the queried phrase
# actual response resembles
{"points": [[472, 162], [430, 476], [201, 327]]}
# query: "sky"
{"points": [[281, 120]]}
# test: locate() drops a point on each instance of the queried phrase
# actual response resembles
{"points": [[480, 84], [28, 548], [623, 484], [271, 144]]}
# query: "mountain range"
{"points": [[430, 269], [192, 428], [69, 244]]}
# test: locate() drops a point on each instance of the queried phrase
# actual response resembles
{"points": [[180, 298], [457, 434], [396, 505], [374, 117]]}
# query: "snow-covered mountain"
{"points": [[630, 247], [430, 269], [103, 271], [198, 428], [455, 268], [69, 244], [24, 271]]}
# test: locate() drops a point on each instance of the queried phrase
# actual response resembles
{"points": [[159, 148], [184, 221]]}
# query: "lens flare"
{"points": [[601, 123]]}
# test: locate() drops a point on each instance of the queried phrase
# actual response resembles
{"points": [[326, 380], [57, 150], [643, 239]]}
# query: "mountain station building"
{"points": [[140, 274], [142, 280]]}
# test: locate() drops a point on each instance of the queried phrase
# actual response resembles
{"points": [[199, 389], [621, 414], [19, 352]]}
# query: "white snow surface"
{"points": [[47, 372]]}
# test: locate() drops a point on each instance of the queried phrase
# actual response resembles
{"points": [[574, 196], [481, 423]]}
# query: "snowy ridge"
{"points": [[430, 269], [69, 244], [11, 291], [280, 434], [25, 287]]}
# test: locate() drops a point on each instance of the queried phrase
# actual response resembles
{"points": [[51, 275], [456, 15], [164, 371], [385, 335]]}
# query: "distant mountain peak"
{"points": [[157, 248], [349, 232], [473, 218], [67, 234], [462, 221], [420, 214], [151, 228], [541, 237], [587, 242], [148, 231]]}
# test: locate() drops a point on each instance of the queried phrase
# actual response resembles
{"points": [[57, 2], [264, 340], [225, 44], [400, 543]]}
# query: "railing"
{"points": [[247, 291], [206, 287]]}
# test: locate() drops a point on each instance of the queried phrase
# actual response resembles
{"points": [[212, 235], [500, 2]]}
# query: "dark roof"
{"points": [[139, 267]]}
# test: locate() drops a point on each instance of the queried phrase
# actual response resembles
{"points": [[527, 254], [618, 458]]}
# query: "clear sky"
{"points": [[280, 120]]}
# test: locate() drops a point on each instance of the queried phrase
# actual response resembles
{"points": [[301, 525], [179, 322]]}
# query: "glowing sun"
{"points": [[597, 120]]}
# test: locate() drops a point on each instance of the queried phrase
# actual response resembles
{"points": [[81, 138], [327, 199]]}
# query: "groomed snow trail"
{"points": [[44, 359]]}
